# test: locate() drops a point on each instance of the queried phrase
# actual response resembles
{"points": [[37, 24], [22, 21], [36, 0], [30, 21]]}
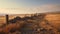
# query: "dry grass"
{"points": [[49, 25]]}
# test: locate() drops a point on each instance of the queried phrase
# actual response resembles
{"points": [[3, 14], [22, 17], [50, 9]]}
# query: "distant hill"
{"points": [[55, 12]]}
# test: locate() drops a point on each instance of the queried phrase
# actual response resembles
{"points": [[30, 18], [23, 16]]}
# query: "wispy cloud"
{"points": [[29, 10]]}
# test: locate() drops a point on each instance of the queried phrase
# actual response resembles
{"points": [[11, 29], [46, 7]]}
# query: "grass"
{"points": [[49, 24]]}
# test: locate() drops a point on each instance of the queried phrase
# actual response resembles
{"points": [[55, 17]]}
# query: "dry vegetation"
{"points": [[35, 24]]}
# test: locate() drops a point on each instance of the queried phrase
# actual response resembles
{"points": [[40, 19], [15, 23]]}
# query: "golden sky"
{"points": [[28, 7]]}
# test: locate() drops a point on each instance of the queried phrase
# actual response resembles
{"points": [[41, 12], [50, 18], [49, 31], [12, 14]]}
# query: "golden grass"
{"points": [[53, 20]]}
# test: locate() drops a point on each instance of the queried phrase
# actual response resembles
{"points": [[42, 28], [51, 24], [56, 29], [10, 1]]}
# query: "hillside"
{"points": [[45, 23]]}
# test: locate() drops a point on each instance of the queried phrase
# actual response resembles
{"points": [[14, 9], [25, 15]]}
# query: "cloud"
{"points": [[47, 8], [29, 10]]}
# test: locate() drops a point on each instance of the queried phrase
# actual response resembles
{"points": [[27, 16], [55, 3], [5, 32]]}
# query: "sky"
{"points": [[28, 6]]}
